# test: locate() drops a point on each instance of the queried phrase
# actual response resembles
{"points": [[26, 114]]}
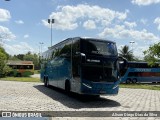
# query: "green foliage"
{"points": [[3, 59], [21, 79], [152, 55], [4, 52], [140, 86], [27, 57], [126, 53], [32, 57], [7, 70]]}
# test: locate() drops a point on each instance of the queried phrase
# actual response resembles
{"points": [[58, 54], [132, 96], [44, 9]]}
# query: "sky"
{"points": [[24, 26]]}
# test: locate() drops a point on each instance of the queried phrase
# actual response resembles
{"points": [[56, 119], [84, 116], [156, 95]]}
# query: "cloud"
{"points": [[144, 21], [26, 36], [6, 34], [20, 48], [89, 24], [157, 21], [19, 22], [130, 24], [4, 15], [145, 2], [67, 17], [121, 32]]}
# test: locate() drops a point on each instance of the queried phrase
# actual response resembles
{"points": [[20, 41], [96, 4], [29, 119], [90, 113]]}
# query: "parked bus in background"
{"points": [[141, 72], [21, 68], [82, 65]]}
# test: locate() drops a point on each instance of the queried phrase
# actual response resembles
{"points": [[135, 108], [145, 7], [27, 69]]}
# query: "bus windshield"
{"points": [[93, 47]]}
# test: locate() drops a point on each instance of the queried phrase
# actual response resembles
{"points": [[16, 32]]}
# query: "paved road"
{"points": [[36, 76], [26, 96]]}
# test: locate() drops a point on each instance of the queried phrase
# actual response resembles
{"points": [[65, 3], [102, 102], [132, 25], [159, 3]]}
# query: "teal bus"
{"points": [[141, 72], [82, 65]]}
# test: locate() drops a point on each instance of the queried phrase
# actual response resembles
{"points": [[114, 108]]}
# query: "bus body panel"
{"points": [[70, 64], [142, 74], [99, 88]]}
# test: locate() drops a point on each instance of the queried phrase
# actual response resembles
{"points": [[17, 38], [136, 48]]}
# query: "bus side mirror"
{"points": [[83, 56], [123, 64]]}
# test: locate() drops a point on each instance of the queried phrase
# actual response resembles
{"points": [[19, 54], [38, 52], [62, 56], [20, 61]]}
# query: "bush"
{"points": [[7, 71], [2, 63]]}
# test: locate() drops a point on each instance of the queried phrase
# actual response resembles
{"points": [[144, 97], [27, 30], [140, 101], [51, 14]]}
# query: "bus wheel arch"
{"points": [[134, 80], [67, 86]]}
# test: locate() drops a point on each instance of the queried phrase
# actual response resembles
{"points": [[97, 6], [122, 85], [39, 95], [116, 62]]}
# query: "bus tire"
{"points": [[67, 87], [134, 80], [128, 81], [46, 82]]}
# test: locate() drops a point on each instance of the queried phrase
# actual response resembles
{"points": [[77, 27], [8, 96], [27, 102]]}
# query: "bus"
{"points": [[83, 66], [141, 72], [21, 68]]}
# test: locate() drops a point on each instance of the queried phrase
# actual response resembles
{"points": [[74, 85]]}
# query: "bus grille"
{"points": [[97, 74]]}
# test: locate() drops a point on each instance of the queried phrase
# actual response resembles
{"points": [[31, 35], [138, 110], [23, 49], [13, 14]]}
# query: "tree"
{"points": [[27, 57], [4, 52], [3, 60], [20, 56], [126, 53], [32, 57], [152, 55]]}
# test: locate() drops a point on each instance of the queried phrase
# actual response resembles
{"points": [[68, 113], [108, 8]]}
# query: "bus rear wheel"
{"points": [[128, 81]]}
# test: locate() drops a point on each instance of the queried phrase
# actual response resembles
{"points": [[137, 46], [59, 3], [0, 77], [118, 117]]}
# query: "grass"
{"points": [[36, 71], [141, 86], [133, 86], [21, 79]]}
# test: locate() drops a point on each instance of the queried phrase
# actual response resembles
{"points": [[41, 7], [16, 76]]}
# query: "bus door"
{"points": [[76, 63]]}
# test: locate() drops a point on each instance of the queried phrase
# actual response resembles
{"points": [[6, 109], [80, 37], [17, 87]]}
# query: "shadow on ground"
{"points": [[76, 101]]}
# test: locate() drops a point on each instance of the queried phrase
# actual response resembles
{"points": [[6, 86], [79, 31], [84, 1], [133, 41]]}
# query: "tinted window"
{"points": [[98, 47]]}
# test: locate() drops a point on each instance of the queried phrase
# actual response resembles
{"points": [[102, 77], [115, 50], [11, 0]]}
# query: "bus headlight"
{"points": [[88, 86], [115, 87]]}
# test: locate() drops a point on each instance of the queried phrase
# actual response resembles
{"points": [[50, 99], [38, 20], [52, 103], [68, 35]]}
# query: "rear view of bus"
{"points": [[82, 65]]}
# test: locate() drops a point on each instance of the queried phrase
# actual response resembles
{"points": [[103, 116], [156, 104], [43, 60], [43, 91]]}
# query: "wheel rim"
{"points": [[134, 80], [128, 80]]}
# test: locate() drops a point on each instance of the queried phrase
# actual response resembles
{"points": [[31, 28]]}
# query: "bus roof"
{"points": [[141, 62], [84, 38]]}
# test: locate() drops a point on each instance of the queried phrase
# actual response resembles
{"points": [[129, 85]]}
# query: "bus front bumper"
{"points": [[98, 88]]}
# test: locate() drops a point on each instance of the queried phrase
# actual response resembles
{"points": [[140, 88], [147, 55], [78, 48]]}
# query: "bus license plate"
{"points": [[102, 92]]}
